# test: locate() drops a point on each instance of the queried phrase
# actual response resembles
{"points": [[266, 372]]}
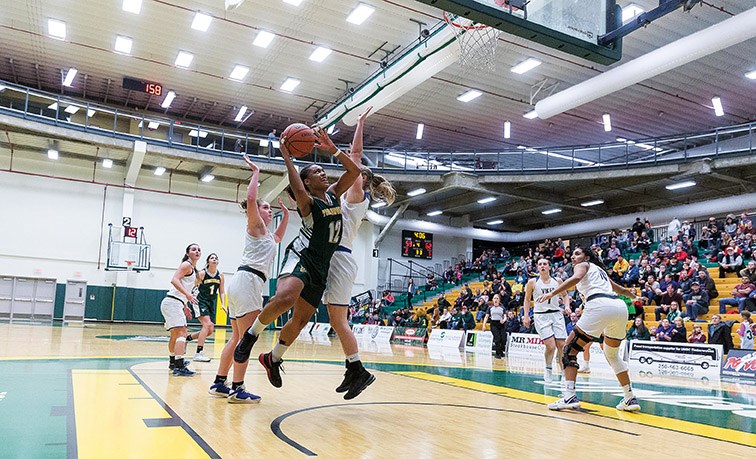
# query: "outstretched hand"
{"points": [[324, 142], [282, 148], [364, 115], [251, 165], [284, 209]]}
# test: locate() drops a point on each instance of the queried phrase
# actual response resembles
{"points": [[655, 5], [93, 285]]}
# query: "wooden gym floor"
{"points": [[99, 391]]}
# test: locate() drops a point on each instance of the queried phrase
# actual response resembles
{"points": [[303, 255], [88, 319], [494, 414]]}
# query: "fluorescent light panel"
{"points": [[420, 129], [751, 75], [132, 6], [263, 39], [184, 59], [592, 203], [486, 200], [718, 109], [320, 54], [469, 95], [240, 115], [72, 109], [153, 125], [52, 154], [293, 2], [416, 192], [168, 99], [507, 129], [123, 44], [3, 88], [70, 75], [495, 222], [239, 72], [160, 170], [201, 21], [360, 14], [107, 163], [195, 133], [531, 115], [91, 113], [525, 66], [630, 11], [434, 213], [677, 186], [207, 178], [56, 29], [551, 211], [607, 122], [290, 84]]}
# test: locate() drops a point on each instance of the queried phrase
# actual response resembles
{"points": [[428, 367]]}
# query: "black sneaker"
{"points": [[244, 348], [348, 377], [359, 383], [273, 368], [171, 366]]}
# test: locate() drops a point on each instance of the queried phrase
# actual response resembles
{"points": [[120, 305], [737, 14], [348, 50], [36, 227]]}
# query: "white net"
{"points": [[477, 43]]}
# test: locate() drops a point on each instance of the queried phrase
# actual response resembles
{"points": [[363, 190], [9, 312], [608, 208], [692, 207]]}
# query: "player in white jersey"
{"points": [[175, 309], [605, 315], [245, 289], [549, 319]]}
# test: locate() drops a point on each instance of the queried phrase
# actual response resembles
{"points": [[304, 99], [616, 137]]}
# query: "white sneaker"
{"points": [[630, 404], [565, 404], [201, 357], [547, 376], [585, 370]]}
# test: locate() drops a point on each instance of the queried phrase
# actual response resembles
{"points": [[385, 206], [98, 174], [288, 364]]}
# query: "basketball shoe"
{"points": [[629, 404], [219, 390], [359, 383], [571, 403], [273, 368], [240, 395], [201, 357]]}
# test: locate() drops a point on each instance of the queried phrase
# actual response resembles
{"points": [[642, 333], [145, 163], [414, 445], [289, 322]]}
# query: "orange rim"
{"points": [[460, 26]]}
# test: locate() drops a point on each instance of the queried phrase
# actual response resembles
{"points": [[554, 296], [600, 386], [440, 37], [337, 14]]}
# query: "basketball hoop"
{"points": [[477, 42], [129, 264]]}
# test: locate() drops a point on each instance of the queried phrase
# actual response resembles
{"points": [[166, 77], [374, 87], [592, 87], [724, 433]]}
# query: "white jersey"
{"points": [[351, 215], [187, 282], [542, 288], [595, 281], [259, 252]]}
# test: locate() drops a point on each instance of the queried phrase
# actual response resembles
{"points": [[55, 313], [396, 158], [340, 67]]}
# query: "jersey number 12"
{"points": [[334, 232]]}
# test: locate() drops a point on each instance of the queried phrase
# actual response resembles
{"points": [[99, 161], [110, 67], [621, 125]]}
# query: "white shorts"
{"points": [[292, 258], [341, 276], [607, 316], [245, 294], [173, 313], [550, 324]]}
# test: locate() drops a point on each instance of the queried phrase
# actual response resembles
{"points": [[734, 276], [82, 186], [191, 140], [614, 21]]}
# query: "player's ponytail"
{"points": [[186, 253], [378, 187], [593, 256]]}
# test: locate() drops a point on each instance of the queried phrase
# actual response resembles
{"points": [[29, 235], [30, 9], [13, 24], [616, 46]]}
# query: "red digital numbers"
{"points": [[154, 89], [130, 231]]}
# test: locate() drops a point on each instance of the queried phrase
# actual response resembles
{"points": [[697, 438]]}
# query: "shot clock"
{"points": [[149, 87], [417, 244]]}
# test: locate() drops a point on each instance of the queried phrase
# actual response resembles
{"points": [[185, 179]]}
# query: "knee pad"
{"points": [[612, 356], [573, 347], [181, 339]]}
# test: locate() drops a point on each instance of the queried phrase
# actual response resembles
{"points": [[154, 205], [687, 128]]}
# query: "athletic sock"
{"points": [[278, 351], [548, 368], [628, 392], [189, 337], [200, 348], [220, 379], [569, 389], [257, 327], [179, 361], [235, 385], [353, 358], [173, 359]]}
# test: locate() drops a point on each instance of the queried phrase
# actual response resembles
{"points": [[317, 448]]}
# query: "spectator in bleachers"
{"points": [[648, 294], [521, 278], [612, 255], [637, 331], [666, 282], [685, 282], [517, 300], [431, 284], [504, 254], [664, 331], [571, 324], [731, 225], [679, 334], [697, 335], [749, 271], [747, 245], [621, 266], [442, 303], [456, 318], [720, 333], [511, 324], [674, 227], [466, 320], [388, 299], [707, 283], [730, 262], [697, 302], [674, 311], [637, 227], [740, 293], [445, 319], [666, 299], [411, 291], [631, 274]]}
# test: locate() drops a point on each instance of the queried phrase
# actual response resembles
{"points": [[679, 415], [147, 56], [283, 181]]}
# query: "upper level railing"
{"points": [[61, 110]]}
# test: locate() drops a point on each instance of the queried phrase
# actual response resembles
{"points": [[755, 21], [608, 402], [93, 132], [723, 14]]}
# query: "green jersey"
{"points": [[208, 293], [321, 231]]}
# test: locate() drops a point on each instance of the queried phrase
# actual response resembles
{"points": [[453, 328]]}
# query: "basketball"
{"points": [[300, 139]]}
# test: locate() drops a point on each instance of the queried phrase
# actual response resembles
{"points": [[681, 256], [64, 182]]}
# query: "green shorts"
{"points": [[312, 276], [205, 308]]}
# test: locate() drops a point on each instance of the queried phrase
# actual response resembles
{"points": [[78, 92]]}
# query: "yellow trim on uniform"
{"points": [[717, 433]]}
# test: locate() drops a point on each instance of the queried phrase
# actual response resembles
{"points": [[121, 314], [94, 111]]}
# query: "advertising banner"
{"points": [[740, 363], [479, 341], [410, 336], [447, 338], [700, 361], [377, 333], [531, 347]]}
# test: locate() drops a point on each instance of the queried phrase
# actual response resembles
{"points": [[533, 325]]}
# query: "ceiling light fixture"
{"points": [[207, 178], [239, 72], [378, 205], [201, 21], [416, 192], [607, 122], [56, 29], [153, 125], [52, 153], [290, 84], [434, 213], [751, 75], [240, 115], [495, 222], [331, 129], [677, 186], [531, 115], [132, 6], [320, 54], [469, 95], [160, 170], [91, 113], [717, 102], [486, 200], [123, 44], [70, 75], [592, 203], [3, 88], [168, 99], [525, 66], [195, 133], [630, 11], [293, 2], [184, 59], [263, 39], [72, 109], [551, 211], [107, 163], [507, 129], [360, 14], [420, 129]]}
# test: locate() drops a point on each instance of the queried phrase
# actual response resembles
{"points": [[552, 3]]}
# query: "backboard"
{"points": [[571, 26], [127, 249]]}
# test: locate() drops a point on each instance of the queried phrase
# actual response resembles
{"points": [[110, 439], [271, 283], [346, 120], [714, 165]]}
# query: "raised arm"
{"points": [[303, 198], [255, 224], [352, 170], [354, 194], [281, 230]]}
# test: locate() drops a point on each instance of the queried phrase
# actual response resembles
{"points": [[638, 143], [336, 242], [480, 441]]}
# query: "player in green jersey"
{"points": [[210, 284]]}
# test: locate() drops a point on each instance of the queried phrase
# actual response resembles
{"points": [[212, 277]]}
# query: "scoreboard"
{"points": [[417, 244]]}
